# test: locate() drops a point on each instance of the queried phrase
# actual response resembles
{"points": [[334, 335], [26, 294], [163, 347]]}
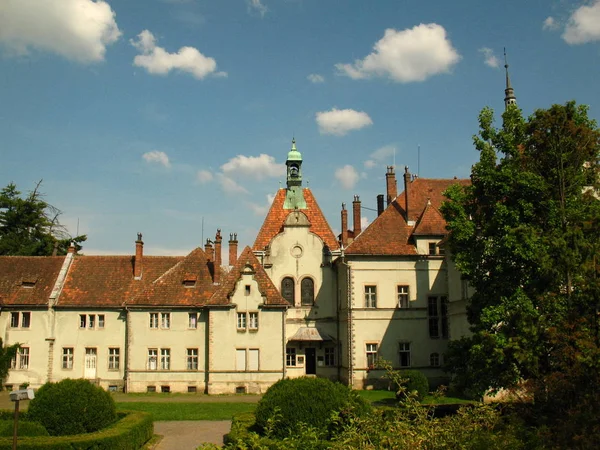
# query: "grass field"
{"points": [[380, 397], [189, 411]]}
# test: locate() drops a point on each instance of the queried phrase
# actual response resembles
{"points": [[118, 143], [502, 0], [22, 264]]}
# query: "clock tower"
{"points": [[294, 198]]}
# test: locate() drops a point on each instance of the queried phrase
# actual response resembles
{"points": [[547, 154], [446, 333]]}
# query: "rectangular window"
{"points": [[153, 320], [432, 248], [464, 288], [241, 321], [67, 358], [434, 360], [371, 355], [165, 359], [23, 356], [91, 321], [403, 297], [253, 320], [444, 318], [193, 320], [240, 359], [192, 359], [434, 322], [290, 357], [404, 354], [82, 320], [14, 320], [152, 359], [329, 356], [165, 320], [247, 290], [253, 357], [370, 296], [114, 358], [100, 320], [25, 320]]}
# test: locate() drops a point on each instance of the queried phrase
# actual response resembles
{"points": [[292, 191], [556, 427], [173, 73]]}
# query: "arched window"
{"points": [[287, 289], [434, 360], [307, 289]]}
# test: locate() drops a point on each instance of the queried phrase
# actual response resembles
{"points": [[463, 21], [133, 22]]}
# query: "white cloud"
{"points": [[79, 30], [364, 223], [550, 24], [583, 25], [261, 210], [347, 176], [315, 78], [257, 6], [230, 186], [380, 156], [156, 60], [256, 167], [413, 54], [490, 59], [340, 121], [204, 176], [157, 157]]}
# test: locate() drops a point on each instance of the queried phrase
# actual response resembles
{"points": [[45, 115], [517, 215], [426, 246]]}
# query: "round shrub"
{"points": [[25, 428], [72, 407], [415, 381], [306, 400]]}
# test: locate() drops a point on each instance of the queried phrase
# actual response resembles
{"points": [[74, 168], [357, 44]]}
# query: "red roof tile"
{"points": [[42, 271], [430, 223], [422, 189], [273, 224], [94, 281], [169, 289], [265, 285]]}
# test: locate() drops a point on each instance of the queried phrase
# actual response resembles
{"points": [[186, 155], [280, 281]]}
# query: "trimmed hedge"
{"points": [[72, 407], [416, 381], [25, 428], [306, 400], [130, 432]]}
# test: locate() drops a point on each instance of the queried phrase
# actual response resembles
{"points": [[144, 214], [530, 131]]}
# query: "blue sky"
{"points": [[160, 115]]}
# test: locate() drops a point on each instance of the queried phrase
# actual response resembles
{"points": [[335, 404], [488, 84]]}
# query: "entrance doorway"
{"points": [[311, 361], [90, 363]]}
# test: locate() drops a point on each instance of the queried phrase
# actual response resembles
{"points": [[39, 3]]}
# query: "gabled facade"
{"points": [[298, 302]]}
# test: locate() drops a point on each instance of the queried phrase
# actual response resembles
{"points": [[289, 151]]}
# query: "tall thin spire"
{"points": [[509, 92]]}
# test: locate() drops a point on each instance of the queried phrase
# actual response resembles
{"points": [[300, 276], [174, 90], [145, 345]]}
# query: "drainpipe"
{"points": [[126, 355]]}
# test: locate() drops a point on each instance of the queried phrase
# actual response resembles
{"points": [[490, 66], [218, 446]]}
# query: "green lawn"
{"points": [[188, 411], [381, 397]]}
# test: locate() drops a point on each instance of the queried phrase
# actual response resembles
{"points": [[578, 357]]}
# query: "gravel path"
{"points": [[189, 434]]}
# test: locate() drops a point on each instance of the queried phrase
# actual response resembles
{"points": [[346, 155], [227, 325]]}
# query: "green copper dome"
{"points": [[293, 154]]}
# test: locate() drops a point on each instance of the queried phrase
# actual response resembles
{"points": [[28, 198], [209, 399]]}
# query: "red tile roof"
{"points": [[389, 233], [430, 223], [169, 289], [271, 295], [40, 270], [94, 281], [273, 224]]}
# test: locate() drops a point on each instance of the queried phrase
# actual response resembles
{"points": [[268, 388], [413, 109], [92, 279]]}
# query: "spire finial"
{"points": [[293, 143], [509, 93]]}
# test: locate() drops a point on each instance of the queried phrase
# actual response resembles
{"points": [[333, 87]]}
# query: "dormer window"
{"points": [[28, 283], [189, 283]]}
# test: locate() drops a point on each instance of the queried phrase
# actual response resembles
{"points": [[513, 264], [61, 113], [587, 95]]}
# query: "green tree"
{"points": [[29, 226], [525, 234], [7, 354]]}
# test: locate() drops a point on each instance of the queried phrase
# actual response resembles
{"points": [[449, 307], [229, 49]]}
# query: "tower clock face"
{"points": [[294, 171]]}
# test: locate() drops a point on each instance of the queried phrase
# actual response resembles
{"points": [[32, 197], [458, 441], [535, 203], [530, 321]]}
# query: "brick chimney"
{"points": [[218, 261], [356, 216], [379, 204], [208, 249], [406, 188], [138, 262], [390, 182], [344, 225], [71, 249], [233, 249]]}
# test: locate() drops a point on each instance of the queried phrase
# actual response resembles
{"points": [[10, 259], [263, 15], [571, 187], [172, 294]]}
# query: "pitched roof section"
{"points": [[422, 189], [107, 281], [28, 280], [273, 224], [430, 223], [188, 283], [389, 234], [265, 285]]}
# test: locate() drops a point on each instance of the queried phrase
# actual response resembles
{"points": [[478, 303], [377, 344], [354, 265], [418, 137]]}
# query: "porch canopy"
{"points": [[310, 334]]}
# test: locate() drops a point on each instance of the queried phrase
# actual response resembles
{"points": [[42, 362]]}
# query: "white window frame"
{"points": [[404, 351], [114, 358], [14, 319], [152, 359], [21, 361], [165, 359], [370, 296], [83, 321], [67, 358], [25, 324], [253, 320], [403, 292], [101, 320], [371, 352], [241, 321], [91, 321], [165, 320], [193, 320], [154, 320], [192, 359], [291, 357]]}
